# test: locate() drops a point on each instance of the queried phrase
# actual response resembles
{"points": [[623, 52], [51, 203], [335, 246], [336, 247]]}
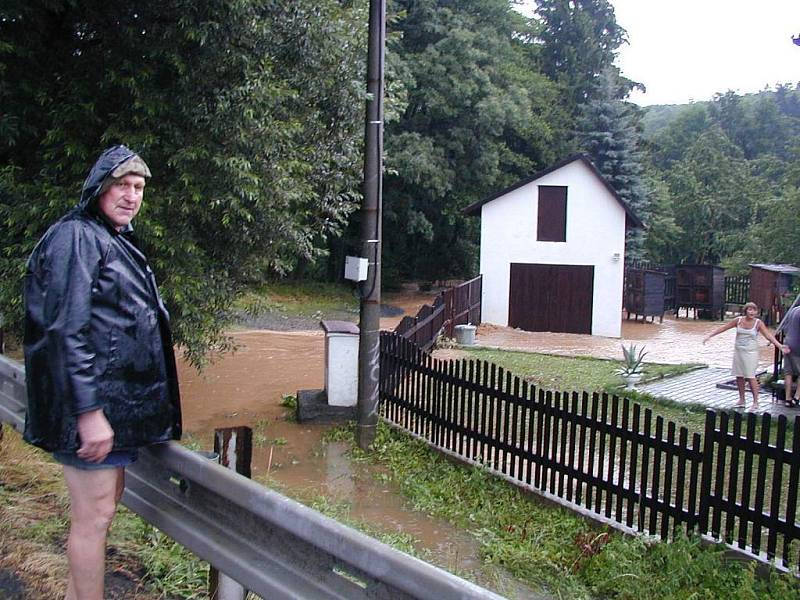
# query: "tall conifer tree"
{"points": [[607, 134]]}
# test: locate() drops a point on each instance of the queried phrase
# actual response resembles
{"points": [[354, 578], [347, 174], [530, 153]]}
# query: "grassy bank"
{"points": [[300, 298], [141, 562], [552, 548]]}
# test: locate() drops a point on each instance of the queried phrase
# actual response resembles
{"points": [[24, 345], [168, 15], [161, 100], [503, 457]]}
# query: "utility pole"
{"points": [[370, 314]]}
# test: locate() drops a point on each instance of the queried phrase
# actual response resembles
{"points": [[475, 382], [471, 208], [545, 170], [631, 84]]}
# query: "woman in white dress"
{"points": [[745, 349]]}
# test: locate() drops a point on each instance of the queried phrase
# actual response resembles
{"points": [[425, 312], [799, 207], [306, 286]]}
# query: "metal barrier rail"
{"points": [[272, 545]]}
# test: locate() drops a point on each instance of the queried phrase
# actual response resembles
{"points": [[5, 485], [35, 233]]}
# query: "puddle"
{"points": [[246, 388]]}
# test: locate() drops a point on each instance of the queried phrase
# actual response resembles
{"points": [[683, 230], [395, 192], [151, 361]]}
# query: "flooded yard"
{"points": [[247, 387], [676, 340]]}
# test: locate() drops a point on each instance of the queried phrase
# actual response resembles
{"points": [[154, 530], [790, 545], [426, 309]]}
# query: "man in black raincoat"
{"points": [[99, 362]]}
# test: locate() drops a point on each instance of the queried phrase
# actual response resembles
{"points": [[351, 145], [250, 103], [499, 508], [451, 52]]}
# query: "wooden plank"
{"points": [[777, 487], [749, 443], [791, 500], [733, 477]]}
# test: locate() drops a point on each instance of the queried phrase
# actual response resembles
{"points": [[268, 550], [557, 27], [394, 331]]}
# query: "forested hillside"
{"points": [[251, 116], [726, 174]]}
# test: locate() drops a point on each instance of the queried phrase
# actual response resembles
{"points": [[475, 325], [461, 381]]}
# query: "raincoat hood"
{"points": [[109, 160]]}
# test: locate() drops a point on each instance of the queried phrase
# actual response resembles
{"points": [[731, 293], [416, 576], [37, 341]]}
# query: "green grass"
{"points": [[301, 298], [169, 567], [570, 373], [552, 548]]}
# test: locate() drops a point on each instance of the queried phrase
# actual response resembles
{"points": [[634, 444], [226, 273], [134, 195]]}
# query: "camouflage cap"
{"points": [[133, 165]]}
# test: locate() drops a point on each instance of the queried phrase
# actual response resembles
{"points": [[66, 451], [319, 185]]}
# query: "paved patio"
{"points": [[700, 387]]}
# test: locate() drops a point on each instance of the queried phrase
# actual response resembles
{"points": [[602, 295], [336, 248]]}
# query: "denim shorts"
{"points": [[791, 364], [115, 459]]}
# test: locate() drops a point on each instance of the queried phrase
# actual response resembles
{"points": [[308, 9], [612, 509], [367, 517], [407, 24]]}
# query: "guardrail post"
{"points": [[234, 445]]}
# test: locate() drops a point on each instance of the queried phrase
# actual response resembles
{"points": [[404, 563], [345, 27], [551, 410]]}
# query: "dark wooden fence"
{"points": [[738, 482], [737, 289], [458, 305]]}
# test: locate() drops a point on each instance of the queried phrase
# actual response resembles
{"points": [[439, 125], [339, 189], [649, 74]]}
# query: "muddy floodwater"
{"points": [[676, 340], [247, 387]]}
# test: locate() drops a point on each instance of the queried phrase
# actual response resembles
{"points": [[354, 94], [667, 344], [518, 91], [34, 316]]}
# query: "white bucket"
{"points": [[465, 334]]}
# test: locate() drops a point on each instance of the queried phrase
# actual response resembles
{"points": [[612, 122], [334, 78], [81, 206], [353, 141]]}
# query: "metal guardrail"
{"points": [[272, 545]]}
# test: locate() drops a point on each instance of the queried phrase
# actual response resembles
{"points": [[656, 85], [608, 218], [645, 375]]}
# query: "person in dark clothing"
{"points": [[99, 361], [791, 361]]}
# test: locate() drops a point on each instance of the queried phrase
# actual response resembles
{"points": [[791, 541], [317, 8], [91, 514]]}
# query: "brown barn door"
{"points": [[551, 297]]}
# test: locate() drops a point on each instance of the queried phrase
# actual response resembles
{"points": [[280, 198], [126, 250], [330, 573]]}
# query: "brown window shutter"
{"points": [[552, 222]]}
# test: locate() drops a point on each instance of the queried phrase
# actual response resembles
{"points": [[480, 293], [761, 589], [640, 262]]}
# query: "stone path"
{"points": [[700, 387]]}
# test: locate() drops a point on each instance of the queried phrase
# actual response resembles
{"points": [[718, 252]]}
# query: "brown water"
{"points": [[246, 388]]}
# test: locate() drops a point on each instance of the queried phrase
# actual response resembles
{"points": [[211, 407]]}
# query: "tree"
{"points": [[580, 40], [607, 134], [661, 242], [776, 237], [249, 113], [716, 198], [477, 116], [669, 145]]}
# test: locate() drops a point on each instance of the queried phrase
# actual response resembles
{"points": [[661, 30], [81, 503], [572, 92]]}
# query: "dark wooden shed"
{"points": [[644, 293], [701, 288], [770, 288]]}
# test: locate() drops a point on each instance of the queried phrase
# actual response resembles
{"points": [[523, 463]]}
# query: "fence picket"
{"points": [[581, 447], [777, 489], [590, 484], [762, 447], [655, 489], [571, 478], [644, 503], [694, 477], [601, 454], [530, 416], [791, 500], [472, 409], [719, 478], [624, 441], [744, 520], [611, 487], [514, 459], [555, 406], [668, 456], [733, 475], [683, 458]]}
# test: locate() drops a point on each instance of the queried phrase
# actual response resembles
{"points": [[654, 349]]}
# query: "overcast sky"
{"points": [[684, 50]]}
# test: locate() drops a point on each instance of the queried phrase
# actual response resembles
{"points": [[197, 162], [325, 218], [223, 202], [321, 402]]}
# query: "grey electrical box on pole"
{"points": [[369, 323]]}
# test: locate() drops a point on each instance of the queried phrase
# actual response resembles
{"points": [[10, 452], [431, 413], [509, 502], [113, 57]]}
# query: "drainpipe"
{"points": [[369, 321]]}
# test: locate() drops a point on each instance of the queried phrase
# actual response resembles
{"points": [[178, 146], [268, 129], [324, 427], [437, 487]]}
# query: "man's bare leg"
{"points": [[93, 503], [787, 390]]}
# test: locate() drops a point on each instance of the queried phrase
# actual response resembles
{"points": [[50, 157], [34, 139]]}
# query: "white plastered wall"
{"points": [[595, 236]]}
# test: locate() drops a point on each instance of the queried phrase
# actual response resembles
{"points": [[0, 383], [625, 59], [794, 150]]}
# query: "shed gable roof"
{"points": [[778, 268], [475, 209]]}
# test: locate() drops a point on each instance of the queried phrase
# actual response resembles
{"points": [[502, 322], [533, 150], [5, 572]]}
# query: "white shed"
{"points": [[553, 251]]}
